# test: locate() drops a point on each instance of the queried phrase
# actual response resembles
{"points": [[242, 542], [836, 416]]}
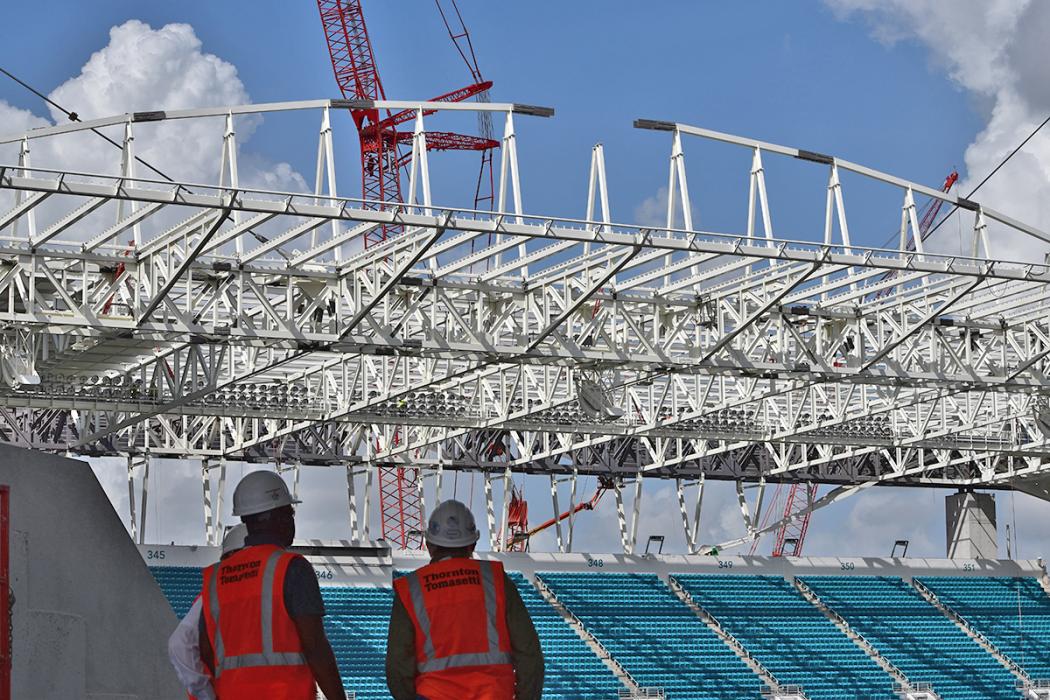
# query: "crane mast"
{"points": [[357, 74]]}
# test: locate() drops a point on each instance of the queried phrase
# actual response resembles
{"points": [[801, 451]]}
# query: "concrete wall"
{"points": [[89, 621], [356, 570], [970, 525]]}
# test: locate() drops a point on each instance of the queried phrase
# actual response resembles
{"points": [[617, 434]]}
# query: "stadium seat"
{"points": [[1012, 613], [181, 586], [573, 670], [356, 621], [662, 643], [789, 636], [915, 636], [654, 636]]}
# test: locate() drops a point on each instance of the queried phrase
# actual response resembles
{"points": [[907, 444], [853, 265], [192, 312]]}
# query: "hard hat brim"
{"points": [[443, 542], [241, 512]]}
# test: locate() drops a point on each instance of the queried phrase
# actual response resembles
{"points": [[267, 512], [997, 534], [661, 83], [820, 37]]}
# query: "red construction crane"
{"points": [[517, 537], [933, 208], [793, 532], [927, 218], [357, 74], [518, 540]]}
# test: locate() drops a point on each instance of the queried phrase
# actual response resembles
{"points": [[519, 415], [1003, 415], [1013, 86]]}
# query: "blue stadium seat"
{"points": [[1013, 613], [789, 636], [654, 636], [573, 670], [661, 643], [356, 621], [181, 586], [915, 636]]}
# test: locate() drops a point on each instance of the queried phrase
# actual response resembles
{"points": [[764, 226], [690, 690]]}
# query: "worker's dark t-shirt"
{"points": [[302, 594]]}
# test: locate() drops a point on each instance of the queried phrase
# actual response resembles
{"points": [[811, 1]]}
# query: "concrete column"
{"points": [[970, 521]]}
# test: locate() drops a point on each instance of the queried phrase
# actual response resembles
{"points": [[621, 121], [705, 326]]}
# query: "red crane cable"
{"points": [[485, 187]]}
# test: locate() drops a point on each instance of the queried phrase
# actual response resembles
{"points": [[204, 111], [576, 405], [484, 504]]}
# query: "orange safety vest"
{"points": [[458, 607], [256, 647]]}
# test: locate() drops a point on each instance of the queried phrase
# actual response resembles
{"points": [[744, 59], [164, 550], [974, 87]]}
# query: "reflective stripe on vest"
{"points": [[430, 661], [268, 657]]}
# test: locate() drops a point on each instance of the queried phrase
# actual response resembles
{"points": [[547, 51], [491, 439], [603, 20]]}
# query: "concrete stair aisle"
{"points": [[577, 625], [1044, 580], [775, 688], [1014, 668], [905, 688]]}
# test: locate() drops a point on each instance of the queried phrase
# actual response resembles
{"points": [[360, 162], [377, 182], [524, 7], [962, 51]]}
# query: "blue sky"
{"points": [[912, 88], [783, 72]]}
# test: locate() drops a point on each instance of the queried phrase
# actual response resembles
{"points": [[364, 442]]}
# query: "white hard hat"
{"points": [[452, 525], [234, 538], [259, 492]]}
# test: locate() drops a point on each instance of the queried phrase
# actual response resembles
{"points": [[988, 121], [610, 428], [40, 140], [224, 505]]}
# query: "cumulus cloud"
{"points": [[143, 69], [995, 50], [652, 211]]}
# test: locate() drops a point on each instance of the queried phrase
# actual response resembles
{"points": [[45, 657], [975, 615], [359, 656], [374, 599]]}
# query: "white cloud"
{"points": [[143, 69], [995, 50], [652, 211], [1027, 517]]}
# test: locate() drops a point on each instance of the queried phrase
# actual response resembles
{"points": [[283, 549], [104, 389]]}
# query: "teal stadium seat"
{"points": [[356, 620], [654, 636], [1013, 613], [915, 636], [789, 636], [181, 586], [573, 670], [662, 643]]}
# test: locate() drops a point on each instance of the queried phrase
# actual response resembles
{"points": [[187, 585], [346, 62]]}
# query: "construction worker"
{"points": [[184, 650], [262, 634], [459, 629]]}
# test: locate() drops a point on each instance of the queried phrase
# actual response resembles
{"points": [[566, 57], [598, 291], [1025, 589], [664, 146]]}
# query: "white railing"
{"points": [[1038, 689], [641, 694]]}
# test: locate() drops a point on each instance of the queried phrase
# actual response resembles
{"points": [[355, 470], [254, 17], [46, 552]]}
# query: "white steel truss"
{"points": [[252, 324]]}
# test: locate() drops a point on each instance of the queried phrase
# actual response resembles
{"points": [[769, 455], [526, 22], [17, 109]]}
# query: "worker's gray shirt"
{"points": [[524, 644]]}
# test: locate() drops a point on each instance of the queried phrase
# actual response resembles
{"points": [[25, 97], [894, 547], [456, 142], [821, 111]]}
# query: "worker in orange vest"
{"points": [[262, 634], [459, 629]]}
